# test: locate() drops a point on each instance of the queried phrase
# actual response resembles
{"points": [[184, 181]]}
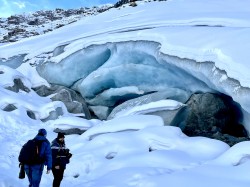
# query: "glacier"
{"points": [[151, 59], [13, 62], [111, 73], [120, 55]]}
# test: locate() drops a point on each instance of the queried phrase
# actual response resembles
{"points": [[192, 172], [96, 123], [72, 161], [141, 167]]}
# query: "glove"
{"points": [[69, 155], [22, 172]]}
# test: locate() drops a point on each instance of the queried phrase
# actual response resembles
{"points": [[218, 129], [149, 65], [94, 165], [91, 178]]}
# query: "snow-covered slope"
{"points": [[184, 45], [17, 27], [205, 44]]}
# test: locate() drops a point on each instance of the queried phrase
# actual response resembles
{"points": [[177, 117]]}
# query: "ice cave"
{"points": [[114, 74]]}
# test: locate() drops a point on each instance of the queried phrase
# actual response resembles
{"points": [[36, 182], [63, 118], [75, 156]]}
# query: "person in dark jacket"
{"points": [[34, 172], [60, 157]]}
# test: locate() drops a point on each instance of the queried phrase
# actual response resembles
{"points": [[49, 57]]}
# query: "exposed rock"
{"points": [[111, 155], [72, 100], [31, 114], [9, 108], [18, 85], [74, 107], [15, 31], [230, 140], [34, 22], [14, 28], [62, 95], [59, 25], [16, 20], [133, 4], [70, 131], [121, 2], [54, 114], [214, 115]]}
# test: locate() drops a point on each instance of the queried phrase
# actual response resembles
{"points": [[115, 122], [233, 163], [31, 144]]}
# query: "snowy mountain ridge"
{"points": [[17, 27]]}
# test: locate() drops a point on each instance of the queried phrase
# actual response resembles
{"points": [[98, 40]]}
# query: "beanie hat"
{"points": [[42, 132], [60, 135]]}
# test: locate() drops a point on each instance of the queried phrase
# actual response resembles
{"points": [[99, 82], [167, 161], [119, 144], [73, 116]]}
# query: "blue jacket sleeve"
{"points": [[48, 156]]}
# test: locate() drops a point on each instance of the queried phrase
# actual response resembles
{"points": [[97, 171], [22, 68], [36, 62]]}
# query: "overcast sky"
{"points": [[11, 7]]}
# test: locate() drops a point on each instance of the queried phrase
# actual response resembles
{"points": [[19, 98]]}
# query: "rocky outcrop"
{"points": [[53, 114], [73, 101], [18, 85], [70, 131], [215, 116], [131, 2], [210, 115], [17, 27], [9, 108]]}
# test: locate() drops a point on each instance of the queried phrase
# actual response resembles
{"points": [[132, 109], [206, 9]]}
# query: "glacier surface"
{"points": [[112, 73], [124, 53]]}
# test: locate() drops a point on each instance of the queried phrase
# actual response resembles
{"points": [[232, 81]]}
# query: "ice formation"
{"points": [[27, 102], [145, 56], [119, 55], [13, 62], [114, 72], [109, 74]]}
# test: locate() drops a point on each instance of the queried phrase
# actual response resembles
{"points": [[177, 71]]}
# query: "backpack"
{"points": [[30, 152]]}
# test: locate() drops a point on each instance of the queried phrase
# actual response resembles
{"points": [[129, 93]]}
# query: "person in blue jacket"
{"points": [[34, 172], [60, 157]]}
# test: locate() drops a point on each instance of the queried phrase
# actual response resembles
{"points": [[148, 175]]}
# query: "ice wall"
{"points": [[13, 62], [75, 67], [112, 73], [109, 74]]}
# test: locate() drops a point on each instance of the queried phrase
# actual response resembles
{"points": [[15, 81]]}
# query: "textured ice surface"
{"points": [[171, 93], [76, 66], [112, 73], [13, 62], [115, 72]]}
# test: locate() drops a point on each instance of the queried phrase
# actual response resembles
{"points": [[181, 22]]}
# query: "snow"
{"points": [[204, 32], [9, 74], [151, 107], [222, 23], [66, 122], [31, 73], [133, 149]]}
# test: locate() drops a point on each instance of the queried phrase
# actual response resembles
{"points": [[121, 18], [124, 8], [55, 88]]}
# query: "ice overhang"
{"points": [[109, 72]]}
